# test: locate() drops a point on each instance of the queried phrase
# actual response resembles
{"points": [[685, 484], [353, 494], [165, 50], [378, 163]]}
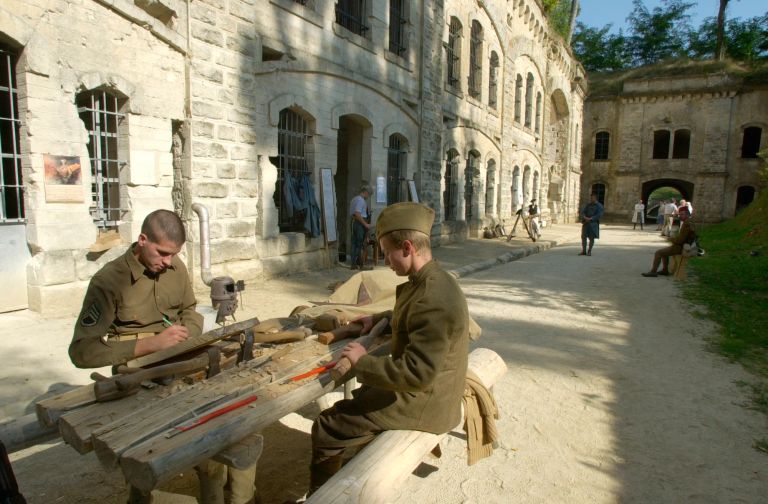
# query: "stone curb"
{"points": [[514, 255]]}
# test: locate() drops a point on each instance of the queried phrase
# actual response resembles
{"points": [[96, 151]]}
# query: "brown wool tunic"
{"points": [[123, 299], [420, 385]]}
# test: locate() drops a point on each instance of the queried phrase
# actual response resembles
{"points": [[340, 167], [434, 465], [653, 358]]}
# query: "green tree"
{"points": [[660, 34], [599, 50], [558, 13], [745, 40]]}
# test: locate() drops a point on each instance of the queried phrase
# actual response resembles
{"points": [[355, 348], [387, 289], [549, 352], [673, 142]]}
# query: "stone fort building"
{"points": [[695, 127], [270, 114]]}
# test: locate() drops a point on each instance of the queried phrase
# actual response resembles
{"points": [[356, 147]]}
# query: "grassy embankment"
{"points": [[731, 283]]}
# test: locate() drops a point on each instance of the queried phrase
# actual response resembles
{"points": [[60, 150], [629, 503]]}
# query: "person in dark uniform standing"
{"points": [[590, 224], [140, 303], [419, 386]]}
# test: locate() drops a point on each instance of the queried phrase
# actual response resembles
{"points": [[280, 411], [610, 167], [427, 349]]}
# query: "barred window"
{"points": [[528, 100], [352, 15], [471, 171], [475, 60], [451, 185], [493, 78], [453, 55], [100, 112], [397, 157], [11, 184], [398, 27], [518, 96], [292, 164], [602, 144]]}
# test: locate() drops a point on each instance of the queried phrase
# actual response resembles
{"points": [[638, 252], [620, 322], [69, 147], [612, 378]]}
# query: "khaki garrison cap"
{"points": [[408, 215]]}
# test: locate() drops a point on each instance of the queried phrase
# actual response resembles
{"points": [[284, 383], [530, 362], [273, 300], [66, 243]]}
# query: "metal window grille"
{"points": [[528, 100], [469, 185], [11, 184], [99, 110], [292, 139], [398, 24], [451, 187], [475, 60], [453, 54], [518, 96], [602, 143], [351, 14], [396, 169], [493, 81]]}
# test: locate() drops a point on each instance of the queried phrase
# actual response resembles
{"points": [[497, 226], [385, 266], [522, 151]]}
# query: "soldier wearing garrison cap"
{"points": [[420, 384]]}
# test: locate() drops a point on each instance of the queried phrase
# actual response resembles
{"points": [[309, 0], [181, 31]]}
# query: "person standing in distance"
{"points": [[590, 224], [358, 210]]}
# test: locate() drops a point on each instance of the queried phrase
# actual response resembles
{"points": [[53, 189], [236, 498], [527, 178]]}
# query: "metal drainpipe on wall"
{"points": [[205, 243]]}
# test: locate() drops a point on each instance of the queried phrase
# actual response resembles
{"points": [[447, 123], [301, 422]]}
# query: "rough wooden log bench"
{"points": [[381, 467]]}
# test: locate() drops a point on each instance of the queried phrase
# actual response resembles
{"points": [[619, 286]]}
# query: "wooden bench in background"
{"points": [[374, 475]]}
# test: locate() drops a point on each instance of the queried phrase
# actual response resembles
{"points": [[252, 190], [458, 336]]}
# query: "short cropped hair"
{"points": [[419, 239], [164, 225]]}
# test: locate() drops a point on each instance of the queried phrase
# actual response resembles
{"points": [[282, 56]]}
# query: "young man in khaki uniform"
{"points": [[420, 385], [140, 303]]}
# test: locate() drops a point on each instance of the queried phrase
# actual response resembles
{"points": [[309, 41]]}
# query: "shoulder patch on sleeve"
{"points": [[91, 317]]}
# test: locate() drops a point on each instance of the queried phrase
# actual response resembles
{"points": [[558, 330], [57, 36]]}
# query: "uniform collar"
{"points": [[423, 272]]}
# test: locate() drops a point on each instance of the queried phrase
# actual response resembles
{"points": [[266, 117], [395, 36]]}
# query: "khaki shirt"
{"points": [[124, 299], [420, 385]]}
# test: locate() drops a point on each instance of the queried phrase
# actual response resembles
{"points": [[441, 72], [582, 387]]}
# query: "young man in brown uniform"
{"points": [[420, 385], [140, 303]]}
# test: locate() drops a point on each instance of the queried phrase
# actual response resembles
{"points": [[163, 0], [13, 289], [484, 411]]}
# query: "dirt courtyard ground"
{"points": [[610, 397]]}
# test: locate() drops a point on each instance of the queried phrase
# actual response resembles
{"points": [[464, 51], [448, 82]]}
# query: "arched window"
{"points": [[682, 144], [470, 173], [493, 80], [475, 60], [750, 143], [11, 184], [526, 184], [293, 138], [398, 24], [397, 157], [538, 113], [518, 96], [490, 186], [661, 144], [453, 55], [516, 192], [602, 144], [528, 100], [100, 111], [744, 196], [451, 184]]}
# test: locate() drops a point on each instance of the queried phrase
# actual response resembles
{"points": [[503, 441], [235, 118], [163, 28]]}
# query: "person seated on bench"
{"points": [[141, 303], [420, 385], [687, 234]]}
